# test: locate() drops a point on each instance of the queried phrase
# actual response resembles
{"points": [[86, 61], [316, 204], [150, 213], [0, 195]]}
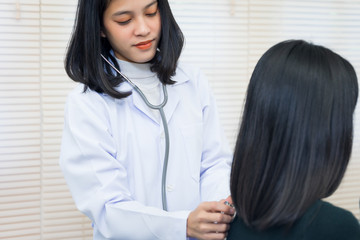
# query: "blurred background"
{"points": [[224, 38]]}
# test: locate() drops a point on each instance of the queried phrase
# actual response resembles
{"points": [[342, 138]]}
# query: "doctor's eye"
{"points": [[152, 11], [124, 22], [152, 14]]}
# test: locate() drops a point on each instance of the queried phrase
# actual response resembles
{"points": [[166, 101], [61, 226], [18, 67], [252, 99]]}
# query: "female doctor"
{"points": [[142, 151]]}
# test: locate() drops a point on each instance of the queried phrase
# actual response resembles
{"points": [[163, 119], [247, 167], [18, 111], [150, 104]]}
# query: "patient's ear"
{"points": [[102, 34]]}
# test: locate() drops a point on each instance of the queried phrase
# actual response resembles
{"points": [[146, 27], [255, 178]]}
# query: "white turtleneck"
{"points": [[148, 82]]}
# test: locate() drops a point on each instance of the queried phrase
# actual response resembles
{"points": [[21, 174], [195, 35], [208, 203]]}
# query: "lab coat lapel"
{"points": [[172, 102], [169, 109], [173, 92], [142, 107]]}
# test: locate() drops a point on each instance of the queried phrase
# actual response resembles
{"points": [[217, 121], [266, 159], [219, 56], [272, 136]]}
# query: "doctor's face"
{"points": [[133, 29]]}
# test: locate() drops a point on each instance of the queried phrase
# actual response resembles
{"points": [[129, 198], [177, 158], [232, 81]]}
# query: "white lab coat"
{"points": [[112, 158]]}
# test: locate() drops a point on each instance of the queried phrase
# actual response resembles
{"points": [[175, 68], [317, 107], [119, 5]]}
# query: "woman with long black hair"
{"points": [[294, 146]]}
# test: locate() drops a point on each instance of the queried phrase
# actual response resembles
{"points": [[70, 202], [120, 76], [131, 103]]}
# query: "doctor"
{"points": [[114, 146]]}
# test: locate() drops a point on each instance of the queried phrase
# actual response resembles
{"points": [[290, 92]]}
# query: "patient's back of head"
{"points": [[295, 137]]}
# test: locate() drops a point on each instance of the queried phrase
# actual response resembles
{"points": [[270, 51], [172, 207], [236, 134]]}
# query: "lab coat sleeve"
{"points": [[98, 182], [216, 156]]}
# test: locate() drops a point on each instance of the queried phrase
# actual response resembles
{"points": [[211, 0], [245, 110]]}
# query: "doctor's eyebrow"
{"points": [[129, 12]]}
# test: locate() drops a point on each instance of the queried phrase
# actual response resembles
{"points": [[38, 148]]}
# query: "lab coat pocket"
{"points": [[193, 140]]}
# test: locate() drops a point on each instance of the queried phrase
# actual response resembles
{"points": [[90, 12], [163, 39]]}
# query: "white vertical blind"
{"points": [[224, 38], [60, 219], [217, 42], [20, 119]]}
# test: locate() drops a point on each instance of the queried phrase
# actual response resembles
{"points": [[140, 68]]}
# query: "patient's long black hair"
{"points": [[296, 133]]}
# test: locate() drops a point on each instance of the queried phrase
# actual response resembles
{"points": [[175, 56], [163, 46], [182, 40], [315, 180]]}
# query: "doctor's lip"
{"points": [[144, 45]]}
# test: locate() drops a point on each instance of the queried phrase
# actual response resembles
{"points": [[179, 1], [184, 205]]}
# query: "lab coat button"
{"points": [[169, 188]]}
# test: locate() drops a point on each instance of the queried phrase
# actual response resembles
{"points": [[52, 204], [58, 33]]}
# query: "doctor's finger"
{"points": [[215, 236], [218, 207], [227, 209], [218, 227], [206, 228], [219, 218]]}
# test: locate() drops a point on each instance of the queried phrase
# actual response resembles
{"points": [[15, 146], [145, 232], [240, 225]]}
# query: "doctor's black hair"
{"points": [[83, 62], [295, 137]]}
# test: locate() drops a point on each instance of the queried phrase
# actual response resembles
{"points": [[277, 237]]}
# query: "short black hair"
{"points": [[295, 137], [83, 62]]}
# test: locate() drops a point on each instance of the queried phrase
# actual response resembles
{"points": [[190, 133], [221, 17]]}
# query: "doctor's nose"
{"points": [[141, 27]]}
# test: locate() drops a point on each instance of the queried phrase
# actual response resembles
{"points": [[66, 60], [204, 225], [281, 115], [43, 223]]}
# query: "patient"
{"points": [[294, 146]]}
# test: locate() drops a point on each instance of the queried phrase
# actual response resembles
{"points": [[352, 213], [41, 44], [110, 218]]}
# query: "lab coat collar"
{"points": [[180, 76], [169, 108], [173, 99]]}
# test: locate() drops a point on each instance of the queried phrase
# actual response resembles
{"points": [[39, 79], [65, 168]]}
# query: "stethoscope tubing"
{"points": [[159, 107]]}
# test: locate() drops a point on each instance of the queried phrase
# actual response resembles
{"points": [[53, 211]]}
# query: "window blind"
{"points": [[217, 42], [20, 120], [60, 218], [224, 38]]}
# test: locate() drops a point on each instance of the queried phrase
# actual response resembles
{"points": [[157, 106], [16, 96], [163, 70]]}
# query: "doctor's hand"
{"points": [[210, 220]]}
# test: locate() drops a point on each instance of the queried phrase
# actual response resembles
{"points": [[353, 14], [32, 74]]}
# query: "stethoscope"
{"points": [[159, 107]]}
